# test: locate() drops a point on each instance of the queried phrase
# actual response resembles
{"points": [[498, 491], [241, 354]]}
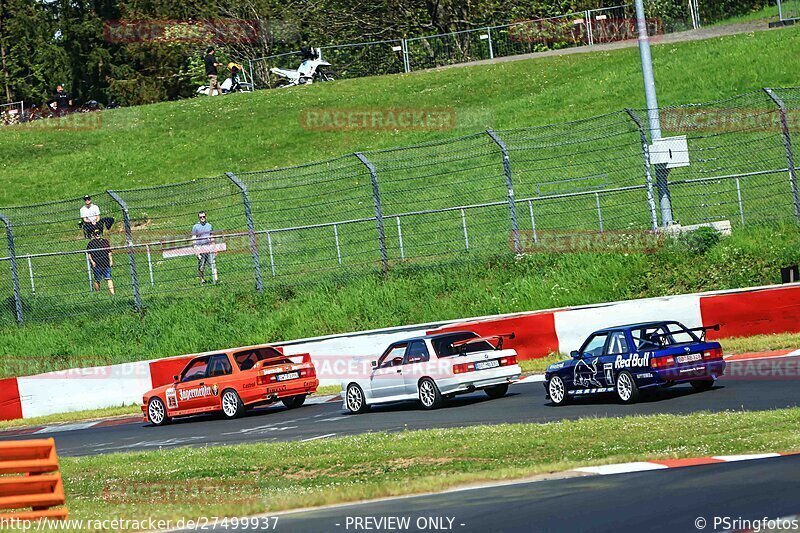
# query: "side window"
{"points": [[617, 344], [595, 345], [393, 356], [219, 365], [417, 353], [196, 370]]}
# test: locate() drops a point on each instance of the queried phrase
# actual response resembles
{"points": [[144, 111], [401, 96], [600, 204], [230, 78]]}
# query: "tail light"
{"points": [[658, 363], [463, 368], [308, 372], [266, 380], [508, 361], [712, 355]]}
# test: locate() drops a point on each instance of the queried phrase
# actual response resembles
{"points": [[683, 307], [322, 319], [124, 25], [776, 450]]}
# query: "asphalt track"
{"points": [[662, 500], [524, 403]]}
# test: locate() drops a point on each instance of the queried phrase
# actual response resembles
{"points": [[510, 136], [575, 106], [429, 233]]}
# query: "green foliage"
{"points": [[701, 240]]}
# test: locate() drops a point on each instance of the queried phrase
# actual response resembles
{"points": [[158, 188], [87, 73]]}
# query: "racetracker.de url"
{"points": [[203, 523]]}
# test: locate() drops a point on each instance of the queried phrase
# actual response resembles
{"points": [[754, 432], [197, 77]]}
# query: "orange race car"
{"points": [[231, 381]]}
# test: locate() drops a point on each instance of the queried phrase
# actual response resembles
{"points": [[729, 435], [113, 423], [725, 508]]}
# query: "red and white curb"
{"points": [[642, 466]]}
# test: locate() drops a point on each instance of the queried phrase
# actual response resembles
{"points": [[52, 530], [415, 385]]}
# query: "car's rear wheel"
{"points": [[498, 391], [232, 406], [702, 385], [157, 412], [429, 395], [354, 400], [557, 391], [293, 402], [627, 390]]}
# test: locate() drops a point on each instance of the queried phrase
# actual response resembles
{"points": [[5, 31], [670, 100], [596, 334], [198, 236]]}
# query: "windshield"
{"points": [[444, 345], [660, 335]]}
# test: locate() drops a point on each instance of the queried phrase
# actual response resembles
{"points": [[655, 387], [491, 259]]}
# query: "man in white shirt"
{"points": [[91, 220]]}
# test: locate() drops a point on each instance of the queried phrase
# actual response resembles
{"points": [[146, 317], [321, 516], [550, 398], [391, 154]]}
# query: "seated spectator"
{"points": [[91, 220]]}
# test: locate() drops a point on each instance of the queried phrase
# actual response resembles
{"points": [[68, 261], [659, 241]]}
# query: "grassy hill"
{"points": [[170, 142]]}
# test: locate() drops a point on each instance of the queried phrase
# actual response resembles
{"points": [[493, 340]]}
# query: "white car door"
{"points": [[386, 380], [414, 366]]}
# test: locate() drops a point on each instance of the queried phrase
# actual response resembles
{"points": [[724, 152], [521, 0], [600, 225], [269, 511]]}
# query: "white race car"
{"points": [[434, 368]]}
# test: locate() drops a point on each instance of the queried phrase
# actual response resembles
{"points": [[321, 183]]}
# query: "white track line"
{"points": [[319, 437]]}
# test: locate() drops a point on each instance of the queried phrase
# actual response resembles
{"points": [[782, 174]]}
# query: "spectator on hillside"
{"points": [[203, 240], [211, 71], [91, 220], [101, 258], [61, 101]]}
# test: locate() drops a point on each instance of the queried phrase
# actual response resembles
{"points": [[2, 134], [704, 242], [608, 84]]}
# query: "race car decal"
{"points": [[592, 391], [586, 375], [172, 400], [199, 392], [215, 389], [632, 361]]}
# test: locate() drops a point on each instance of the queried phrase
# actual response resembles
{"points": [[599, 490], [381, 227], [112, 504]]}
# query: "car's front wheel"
{"points": [[157, 412], [498, 391], [627, 390], [354, 400], [293, 402], [429, 395], [702, 385], [557, 391], [232, 406]]}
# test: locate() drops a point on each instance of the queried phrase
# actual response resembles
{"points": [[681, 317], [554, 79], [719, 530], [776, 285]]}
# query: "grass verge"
{"points": [[248, 479]]}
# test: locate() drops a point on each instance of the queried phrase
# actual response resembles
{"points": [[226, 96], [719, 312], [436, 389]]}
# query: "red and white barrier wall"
{"points": [[743, 312]]}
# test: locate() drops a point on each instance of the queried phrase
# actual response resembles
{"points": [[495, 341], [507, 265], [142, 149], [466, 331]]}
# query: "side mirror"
{"points": [[374, 364], [575, 354], [175, 379]]}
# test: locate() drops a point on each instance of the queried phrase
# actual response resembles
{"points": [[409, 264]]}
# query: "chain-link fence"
{"points": [[788, 10], [583, 28], [556, 187]]}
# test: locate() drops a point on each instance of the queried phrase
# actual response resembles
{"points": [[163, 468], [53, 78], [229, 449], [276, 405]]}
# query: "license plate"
{"points": [[691, 358], [290, 375], [483, 365]]}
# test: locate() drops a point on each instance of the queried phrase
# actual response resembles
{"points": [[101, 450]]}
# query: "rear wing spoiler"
{"points": [[499, 338], [702, 329], [306, 358]]}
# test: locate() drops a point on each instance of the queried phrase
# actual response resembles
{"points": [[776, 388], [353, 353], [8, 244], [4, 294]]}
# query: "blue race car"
{"points": [[627, 359]]}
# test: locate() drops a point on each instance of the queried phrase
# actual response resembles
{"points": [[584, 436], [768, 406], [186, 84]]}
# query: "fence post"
{"points": [[647, 169], [126, 221], [787, 143], [251, 231], [491, 47], [250, 68], [12, 256], [512, 203], [406, 62], [376, 196]]}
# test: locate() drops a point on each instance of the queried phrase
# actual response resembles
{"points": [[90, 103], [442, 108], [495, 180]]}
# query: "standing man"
{"points": [[211, 71], [61, 101], [99, 251], [203, 239]]}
